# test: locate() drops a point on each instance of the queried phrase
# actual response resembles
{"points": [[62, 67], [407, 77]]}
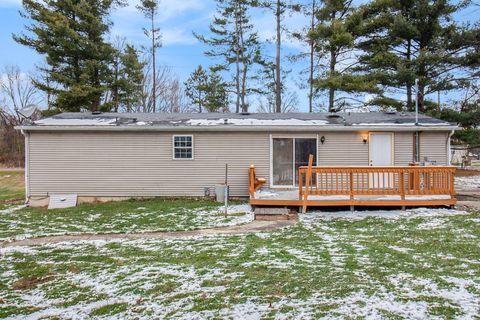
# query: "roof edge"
{"points": [[241, 128]]}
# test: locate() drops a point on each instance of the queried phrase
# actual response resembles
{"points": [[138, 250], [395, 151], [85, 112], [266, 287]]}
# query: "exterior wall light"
{"points": [[365, 139], [322, 139]]}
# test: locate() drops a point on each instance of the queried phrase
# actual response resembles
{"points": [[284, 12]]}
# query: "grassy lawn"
{"points": [[116, 217], [119, 217], [11, 187], [423, 264]]}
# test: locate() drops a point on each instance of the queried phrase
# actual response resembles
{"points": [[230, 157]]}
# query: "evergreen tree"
{"points": [[207, 90], [234, 41], [131, 80], [217, 99], [71, 36], [335, 39], [196, 88], [150, 9], [417, 39]]}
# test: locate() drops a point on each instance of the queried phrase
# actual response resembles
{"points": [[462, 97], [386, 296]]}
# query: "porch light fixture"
{"points": [[322, 139], [365, 139]]}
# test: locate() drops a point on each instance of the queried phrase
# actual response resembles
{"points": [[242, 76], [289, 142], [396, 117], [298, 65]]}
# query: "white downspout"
{"points": [[27, 165], [449, 148]]}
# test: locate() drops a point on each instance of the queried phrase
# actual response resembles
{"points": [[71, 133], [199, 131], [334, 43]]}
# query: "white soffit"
{"points": [[58, 201]]}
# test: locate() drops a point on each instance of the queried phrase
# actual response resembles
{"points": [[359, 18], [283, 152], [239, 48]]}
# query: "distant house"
{"points": [[105, 156]]}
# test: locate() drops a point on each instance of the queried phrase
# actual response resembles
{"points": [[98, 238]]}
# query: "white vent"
{"points": [[62, 201]]}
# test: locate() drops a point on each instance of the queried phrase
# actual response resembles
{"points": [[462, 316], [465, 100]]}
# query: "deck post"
{"points": [[352, 207], [300, 184], [308, 180], [251, 181]]}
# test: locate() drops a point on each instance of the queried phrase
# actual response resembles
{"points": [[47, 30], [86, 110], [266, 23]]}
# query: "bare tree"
{"points": [[289, 103], [170, 94], [150, 9], [17, 90], [16, 93]]}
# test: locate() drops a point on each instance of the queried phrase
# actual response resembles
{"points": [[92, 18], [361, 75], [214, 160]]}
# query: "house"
{"points": [[110, 156]]}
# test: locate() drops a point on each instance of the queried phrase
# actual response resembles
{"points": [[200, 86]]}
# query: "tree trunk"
{"points": [[410, 105], [154, 92], [278, 85], [244, 66], [237, 62], [331, 89], [310, 80]]}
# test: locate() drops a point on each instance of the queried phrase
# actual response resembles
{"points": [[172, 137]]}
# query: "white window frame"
{"points": [[173, 147], [289, 136]]}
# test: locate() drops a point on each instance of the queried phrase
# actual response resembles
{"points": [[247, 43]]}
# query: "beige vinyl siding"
{"points": [[403, 148], [434, 146], [342, 149], [141, 164]]}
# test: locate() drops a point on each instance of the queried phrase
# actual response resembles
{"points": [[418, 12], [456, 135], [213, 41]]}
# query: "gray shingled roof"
{"points": [[219, 121]]}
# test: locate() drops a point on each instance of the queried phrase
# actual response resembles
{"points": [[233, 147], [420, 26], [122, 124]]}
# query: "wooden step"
{"points": [[266, 213]]}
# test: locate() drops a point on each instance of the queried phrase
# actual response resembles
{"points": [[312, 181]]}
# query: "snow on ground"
{"points": [[313, 216], [20, 224], [468, 182], [331, 265], [12, 209]]}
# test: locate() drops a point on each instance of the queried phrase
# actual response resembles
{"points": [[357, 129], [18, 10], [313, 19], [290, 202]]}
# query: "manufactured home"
{"points": [[355, 158]]}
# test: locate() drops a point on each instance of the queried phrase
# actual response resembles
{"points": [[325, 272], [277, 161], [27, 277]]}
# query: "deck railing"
{"points": [[375, 181]]}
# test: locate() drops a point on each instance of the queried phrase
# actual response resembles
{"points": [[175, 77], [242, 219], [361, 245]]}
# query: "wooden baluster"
{"points": [[402, 185]]}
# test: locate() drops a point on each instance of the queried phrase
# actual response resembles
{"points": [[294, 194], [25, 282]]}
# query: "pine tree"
{"points": [[207, 90], [417, 39], [131, 80], [335, 39], [217, 98], [150, 9], [196, 87], [234, 41], [70, 34]]}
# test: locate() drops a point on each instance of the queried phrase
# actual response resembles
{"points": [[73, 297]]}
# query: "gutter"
{"points": [[233, 128]]}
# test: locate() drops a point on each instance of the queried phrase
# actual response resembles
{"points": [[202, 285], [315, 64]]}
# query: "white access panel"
{"points": [[58, 201]]}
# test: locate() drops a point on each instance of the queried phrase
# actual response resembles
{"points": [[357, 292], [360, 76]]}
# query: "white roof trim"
{"points": [[310, 128]]}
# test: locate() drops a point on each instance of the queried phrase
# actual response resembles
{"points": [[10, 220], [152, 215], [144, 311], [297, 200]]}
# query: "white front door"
{"points": [[381, 155]]}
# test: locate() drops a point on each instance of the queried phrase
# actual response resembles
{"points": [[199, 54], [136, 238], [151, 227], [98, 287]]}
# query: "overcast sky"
{"points": [[177, 18]]}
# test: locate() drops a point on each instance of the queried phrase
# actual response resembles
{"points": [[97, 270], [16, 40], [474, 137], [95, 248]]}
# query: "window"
{"points": [[182, 147]]}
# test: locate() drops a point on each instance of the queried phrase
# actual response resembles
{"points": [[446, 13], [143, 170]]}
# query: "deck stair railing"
{"points": [[375, 181]]}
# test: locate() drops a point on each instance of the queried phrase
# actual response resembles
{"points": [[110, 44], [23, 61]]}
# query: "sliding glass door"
{"points": [[288, 154]]}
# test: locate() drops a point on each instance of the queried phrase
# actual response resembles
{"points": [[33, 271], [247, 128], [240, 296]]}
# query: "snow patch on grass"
{"points": [[314, 216]]}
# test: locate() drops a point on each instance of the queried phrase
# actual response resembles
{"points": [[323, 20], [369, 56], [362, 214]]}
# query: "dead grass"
{"points": [[12, 186], [30, 282]]}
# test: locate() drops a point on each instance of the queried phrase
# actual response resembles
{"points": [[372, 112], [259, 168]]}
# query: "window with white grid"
{"points": [[182, 147]]}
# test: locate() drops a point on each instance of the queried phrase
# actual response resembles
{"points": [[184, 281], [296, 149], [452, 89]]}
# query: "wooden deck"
{"points": [[361, 186]]}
